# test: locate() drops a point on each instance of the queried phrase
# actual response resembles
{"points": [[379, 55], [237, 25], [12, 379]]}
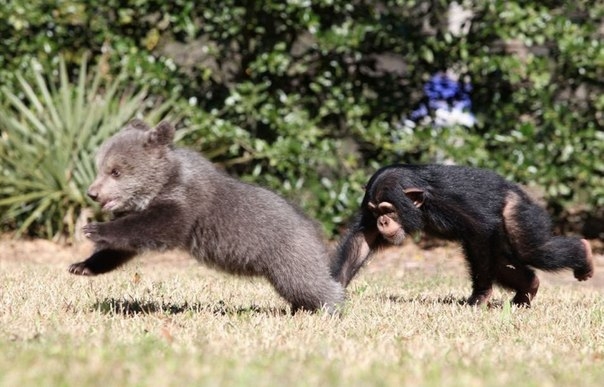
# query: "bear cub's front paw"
{"points": [[91, 231], [80, 268]]}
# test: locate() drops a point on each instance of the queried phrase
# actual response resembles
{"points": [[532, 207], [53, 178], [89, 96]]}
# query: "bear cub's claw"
{"points": [[91, 231], [80, 268]]}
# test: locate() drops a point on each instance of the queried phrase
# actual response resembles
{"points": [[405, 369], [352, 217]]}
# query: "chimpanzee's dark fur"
{"points": [[503, 232], [164, 198]]}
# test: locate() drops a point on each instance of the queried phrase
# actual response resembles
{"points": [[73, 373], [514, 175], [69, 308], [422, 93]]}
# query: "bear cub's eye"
{"points": [[115, 172]]}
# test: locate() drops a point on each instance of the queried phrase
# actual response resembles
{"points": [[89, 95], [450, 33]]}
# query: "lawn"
{"points": [[164, 320]]}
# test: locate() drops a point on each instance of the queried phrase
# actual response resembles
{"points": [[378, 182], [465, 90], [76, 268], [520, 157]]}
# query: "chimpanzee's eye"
{"points": [[115, 173]]}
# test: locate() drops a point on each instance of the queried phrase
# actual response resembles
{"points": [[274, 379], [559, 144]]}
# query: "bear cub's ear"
{"points": [[137, 124], [162, 134]]}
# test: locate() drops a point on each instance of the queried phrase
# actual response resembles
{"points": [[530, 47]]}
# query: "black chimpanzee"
{"points": [[504, 234]]}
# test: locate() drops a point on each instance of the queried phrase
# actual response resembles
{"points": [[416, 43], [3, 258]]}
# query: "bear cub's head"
{"points": [[133, 166]]}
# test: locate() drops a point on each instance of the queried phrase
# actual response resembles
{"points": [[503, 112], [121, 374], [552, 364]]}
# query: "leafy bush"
{"points": [[308, 97], [49, 135]]}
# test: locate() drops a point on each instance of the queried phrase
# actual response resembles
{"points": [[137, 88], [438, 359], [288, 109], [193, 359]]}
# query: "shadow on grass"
{"points": [[134, 307], [445, 300]]}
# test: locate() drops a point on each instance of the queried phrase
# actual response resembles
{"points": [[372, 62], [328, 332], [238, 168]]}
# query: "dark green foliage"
{"points": [[307, 96]]}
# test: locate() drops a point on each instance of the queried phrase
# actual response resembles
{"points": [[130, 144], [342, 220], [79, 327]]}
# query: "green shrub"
{"points": [[50, 131], [307, 97]]}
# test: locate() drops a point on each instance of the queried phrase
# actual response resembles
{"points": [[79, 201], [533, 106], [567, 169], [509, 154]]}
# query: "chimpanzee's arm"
{"points": [[354, 251]]}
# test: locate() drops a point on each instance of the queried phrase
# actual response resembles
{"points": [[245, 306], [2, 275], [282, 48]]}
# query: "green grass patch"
{"points": [[174, 325]]}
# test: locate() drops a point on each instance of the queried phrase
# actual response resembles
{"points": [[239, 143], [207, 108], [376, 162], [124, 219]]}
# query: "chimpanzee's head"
{"points": [[396, 209]]}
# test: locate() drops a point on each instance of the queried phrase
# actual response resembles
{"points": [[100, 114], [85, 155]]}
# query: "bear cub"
{"points": [[163, 197]]}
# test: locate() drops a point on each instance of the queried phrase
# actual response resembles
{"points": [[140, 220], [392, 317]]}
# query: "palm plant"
{"points": [[50, 130]]}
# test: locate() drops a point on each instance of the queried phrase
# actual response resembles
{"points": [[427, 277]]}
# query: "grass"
{"points": [[172, 322]]}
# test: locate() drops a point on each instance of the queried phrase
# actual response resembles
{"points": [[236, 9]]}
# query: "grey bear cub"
{"points": [[163, 197]]}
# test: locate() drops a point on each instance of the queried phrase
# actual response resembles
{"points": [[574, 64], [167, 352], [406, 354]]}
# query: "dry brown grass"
{"points": [[164, 320]]}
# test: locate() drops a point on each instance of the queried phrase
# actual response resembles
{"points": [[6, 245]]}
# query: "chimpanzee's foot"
{"points": [[525, 296], [587, 271]]}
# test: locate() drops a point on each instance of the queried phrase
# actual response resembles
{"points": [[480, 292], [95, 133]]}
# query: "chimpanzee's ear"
{"points": [[416, 195], [162, 134], [137, 124]]}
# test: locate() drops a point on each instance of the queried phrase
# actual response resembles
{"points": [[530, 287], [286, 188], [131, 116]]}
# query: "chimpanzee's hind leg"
{"points": [[529, 231]]}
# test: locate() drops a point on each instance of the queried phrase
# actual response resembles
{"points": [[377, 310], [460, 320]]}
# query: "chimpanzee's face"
{"points": [[388, 223], [394, 208]]}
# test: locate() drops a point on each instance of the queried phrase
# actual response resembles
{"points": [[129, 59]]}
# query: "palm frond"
{"points": [[50, 129]]}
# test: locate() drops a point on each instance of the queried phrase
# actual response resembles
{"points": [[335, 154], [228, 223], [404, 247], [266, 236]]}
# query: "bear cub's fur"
{"points": [[164, 197]]}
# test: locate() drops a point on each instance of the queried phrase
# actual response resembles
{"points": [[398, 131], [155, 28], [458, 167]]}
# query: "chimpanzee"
{"points": [[503, 232]]}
